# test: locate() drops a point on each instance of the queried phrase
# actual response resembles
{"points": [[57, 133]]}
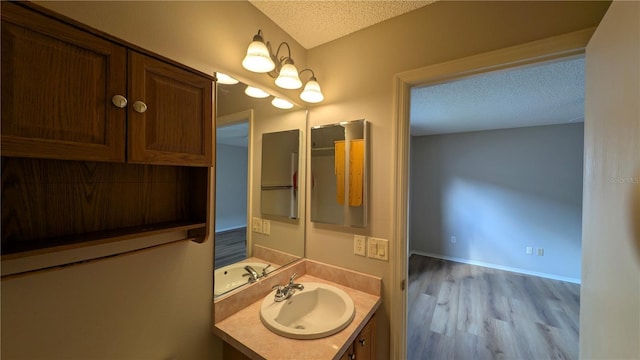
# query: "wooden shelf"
{"points": [[53, 203], [98, 238]]}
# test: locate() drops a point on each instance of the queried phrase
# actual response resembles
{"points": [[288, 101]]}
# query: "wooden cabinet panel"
{"points": [[364, 346], [57, 85], [176, 127], [349, 354], [48, 203]]}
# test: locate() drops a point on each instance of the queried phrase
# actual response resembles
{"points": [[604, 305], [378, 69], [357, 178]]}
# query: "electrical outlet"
{"points": [[266, 227], [453, 239], [378, 249], [529, 250], [256, 225], [540, 252], [359, 245]]}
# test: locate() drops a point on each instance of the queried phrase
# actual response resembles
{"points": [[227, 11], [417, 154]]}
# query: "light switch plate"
{"points": [[266, 227], [378, 249], [256, 224]]}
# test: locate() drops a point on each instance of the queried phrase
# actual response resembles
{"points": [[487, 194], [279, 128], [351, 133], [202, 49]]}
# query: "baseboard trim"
{"points": [[232, 228], [498, 267]]}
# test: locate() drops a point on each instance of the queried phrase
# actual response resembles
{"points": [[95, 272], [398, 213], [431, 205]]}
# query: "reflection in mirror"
{"points": [[279, 183], [243, 254], [339, 174]]}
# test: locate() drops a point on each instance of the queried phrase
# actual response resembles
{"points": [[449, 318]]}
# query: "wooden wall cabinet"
{"points": [[79, 167], [58, 83]]}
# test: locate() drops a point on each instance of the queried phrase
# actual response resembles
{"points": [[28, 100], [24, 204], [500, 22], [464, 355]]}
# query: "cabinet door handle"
{"points": [[139, 106], [119, 101], [361, 341], [352, 356]]}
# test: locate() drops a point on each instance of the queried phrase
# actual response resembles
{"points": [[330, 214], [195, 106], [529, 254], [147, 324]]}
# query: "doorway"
{"points": [[232, 148], [546, 50]]}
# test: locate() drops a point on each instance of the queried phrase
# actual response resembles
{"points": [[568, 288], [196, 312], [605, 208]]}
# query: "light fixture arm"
{"points": [[313, 75], [288, 51], [279, 61]]}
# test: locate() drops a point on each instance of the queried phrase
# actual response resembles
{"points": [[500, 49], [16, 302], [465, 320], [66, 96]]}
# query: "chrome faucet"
{"points": [[251, 273], [283, 292]]}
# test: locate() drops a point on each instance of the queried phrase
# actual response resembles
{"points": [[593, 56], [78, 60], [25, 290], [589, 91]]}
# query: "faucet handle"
{"points": [[292, 277], [264, 270]]}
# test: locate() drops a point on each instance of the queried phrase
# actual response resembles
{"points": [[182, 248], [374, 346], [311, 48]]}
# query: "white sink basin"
{"points": [[230, 277], [317, 311]]}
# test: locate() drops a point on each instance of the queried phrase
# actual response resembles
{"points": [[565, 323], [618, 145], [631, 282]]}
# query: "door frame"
{"points": [[544, 50]]}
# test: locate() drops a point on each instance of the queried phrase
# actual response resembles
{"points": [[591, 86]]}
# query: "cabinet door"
{"points": [[349, 355], [176, 127], [57, 85], [365, 345]]}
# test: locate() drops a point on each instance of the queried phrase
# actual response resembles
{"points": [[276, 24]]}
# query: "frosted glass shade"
{"points": [[312, 92], [255, 92], [258, 58], [281, 103], [288, 78], [226, 79]]}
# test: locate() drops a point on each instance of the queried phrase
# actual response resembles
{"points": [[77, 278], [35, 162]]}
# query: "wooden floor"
{"points": [[460, 311], [231, 247]]}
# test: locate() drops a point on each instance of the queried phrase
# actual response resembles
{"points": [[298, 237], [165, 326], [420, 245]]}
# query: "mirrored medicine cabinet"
{"points": [[339, 174]]}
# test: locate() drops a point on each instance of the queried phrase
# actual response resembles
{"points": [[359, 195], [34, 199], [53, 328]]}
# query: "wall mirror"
{"points": [[339, 174], [279, 182], [241, 122]]}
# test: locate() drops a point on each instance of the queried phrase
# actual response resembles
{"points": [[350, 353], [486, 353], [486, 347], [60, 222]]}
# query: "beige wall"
{"points": [[610, 292], [356, 73], [155, 304]]}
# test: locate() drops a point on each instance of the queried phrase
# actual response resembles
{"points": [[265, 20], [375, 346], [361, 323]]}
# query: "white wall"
{"points": [[498, 192], [610, 291], [231, 187]]}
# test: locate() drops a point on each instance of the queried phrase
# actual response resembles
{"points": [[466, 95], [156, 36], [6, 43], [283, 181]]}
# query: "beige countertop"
{"points": [[244, 330]]}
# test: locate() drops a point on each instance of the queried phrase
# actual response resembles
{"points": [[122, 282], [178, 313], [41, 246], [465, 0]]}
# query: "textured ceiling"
{"points": [[544, 94], [312, 23]]}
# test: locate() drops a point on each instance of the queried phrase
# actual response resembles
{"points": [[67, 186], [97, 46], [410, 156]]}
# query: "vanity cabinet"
{"points": [[101, 140], [363, 348], [72, 95]]}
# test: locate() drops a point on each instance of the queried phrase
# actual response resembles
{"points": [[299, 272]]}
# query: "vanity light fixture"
{"points": [[281, 103], [255, 92], [226, 79], [261, 59]]}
